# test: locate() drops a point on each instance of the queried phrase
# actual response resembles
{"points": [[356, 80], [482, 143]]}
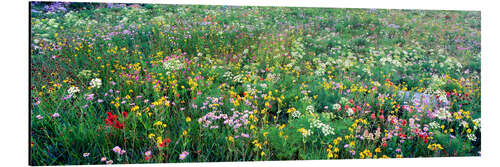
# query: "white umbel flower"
{"points": [[95, 83], [73, 89]]}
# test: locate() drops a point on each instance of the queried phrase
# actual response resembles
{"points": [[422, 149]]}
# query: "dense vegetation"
{"points": [[130, 83]]}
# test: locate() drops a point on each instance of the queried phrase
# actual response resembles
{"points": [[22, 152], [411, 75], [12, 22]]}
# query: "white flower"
{"points": [[472, 137], [336, 106], [350, 111], [95, 83], [173, 64], [73, 89], [443, 114], [325, 129], [296, 114], [434, 125], [310, 109]]}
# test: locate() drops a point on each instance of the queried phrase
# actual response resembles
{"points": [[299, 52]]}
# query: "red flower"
{"points": [[111, 120], [118, 125], [165, 142], [125, 114], [373, 116]]}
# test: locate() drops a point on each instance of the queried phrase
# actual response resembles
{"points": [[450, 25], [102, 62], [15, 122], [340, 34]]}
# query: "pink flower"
{"points": [[183, 155], [39, 117], [103, 159], [245, 135], [109, 162], [55, 115], [86, 154], [117, 149]]}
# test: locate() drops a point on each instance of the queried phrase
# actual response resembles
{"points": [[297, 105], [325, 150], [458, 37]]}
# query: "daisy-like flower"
{"points": [[183, 155], [39, 117], [245, 135], [86, 154], [147, 153], [117, 149], [122, 152]]}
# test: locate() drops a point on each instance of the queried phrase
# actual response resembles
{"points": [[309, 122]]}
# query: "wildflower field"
{"points": [[146, 83]]}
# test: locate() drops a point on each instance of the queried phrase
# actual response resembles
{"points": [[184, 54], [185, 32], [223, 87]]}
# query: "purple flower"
{"points": [[55, 115]]}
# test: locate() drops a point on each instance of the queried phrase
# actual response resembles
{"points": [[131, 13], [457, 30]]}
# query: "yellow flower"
{"points": [[330, 155], [158, 123], [184, 133], [135, 108], [230, 138], [151, 135], [188, 119], [159, 140], [262, 153]]}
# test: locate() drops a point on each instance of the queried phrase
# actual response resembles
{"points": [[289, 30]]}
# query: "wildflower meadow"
{"points": [[158, 83]]}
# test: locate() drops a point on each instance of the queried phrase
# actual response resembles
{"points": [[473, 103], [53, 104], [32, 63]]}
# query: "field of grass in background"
{"points": [[145, 83]]}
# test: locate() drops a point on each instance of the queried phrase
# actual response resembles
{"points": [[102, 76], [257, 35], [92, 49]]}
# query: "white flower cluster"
{"points": [[350, 112], [273, 77], [343, 101], [297, 49], [325, 129], [73, 89], [310, 109], [388, 59], [477, 123], [172, 64], [336, 106], [95, 83], [443, 114], [434, 125], [472, 137], [296, 114]]}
